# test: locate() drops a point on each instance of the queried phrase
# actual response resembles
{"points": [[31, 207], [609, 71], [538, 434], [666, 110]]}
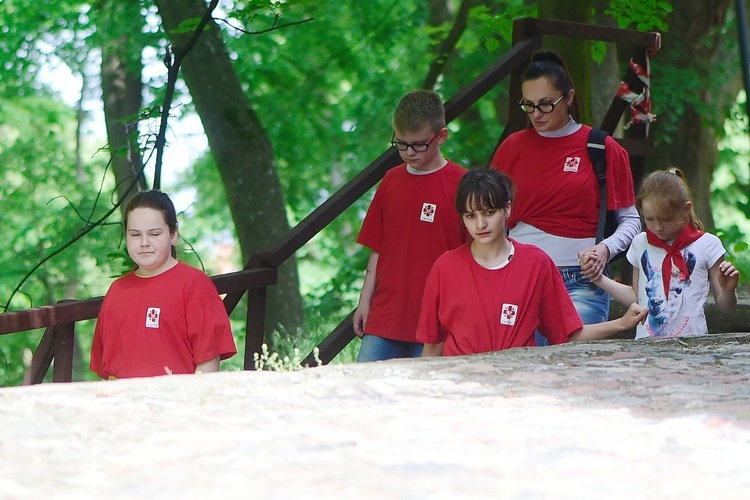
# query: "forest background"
{"points": [[291, 100]]}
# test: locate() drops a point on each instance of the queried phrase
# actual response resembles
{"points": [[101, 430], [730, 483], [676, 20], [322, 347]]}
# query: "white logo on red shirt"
{"points": [[152, 317], [428, 212], [571, 164], [508, 314]]}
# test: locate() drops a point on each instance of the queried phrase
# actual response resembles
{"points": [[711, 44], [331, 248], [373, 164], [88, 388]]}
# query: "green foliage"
{"points": [[46, 201], [280, 363], [492, 25], [642, 15], [678, 84], [731, 188], [189, 26]]}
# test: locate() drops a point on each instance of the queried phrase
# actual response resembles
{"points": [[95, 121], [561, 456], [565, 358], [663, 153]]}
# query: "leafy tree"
{"points": [[44, 205]]}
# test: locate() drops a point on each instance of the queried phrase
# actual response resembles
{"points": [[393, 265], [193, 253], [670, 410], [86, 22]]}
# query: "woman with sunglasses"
{"points": [[557, 197]]}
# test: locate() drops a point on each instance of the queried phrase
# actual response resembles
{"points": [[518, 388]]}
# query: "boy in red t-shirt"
{"points": [[409, 224]]}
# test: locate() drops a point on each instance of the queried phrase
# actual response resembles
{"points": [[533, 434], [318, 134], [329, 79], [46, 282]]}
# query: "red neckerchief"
{"points": [[686, 237]]}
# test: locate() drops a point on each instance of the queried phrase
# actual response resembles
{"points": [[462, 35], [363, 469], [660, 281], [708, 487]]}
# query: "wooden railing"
{"points": [[261, 270], [57, 342]]}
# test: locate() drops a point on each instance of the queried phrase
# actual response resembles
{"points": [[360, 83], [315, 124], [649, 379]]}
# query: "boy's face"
{"points": [[427, 143]]}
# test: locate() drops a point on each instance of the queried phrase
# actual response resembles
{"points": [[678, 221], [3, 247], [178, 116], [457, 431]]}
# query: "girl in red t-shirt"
{"points": [[164, 317], [494, 292]]}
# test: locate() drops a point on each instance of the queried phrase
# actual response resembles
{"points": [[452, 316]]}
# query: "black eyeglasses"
{"points": [[543, 107], [417, 147]]}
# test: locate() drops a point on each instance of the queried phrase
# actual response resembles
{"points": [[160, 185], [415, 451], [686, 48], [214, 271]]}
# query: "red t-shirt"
{"points": [[411, 221], [473, 309], [555, 185], [167, 323]]}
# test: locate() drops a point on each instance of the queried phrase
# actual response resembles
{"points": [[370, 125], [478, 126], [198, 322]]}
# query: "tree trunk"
{"points": [[695, 40], [121, 95], [242, 151], [575, 52], [440, 14], [605, 76]]}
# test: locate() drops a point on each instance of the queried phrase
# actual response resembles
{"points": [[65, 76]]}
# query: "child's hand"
{"points": [[593, 261], [635, 314], [729, 276], [360, 320]]}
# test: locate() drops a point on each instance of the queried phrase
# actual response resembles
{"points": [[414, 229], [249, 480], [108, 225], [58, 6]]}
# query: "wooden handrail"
{"points": [[528, 27], [79, 310]]}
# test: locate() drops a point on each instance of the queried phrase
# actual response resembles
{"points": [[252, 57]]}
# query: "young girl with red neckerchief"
{"points": [[694, 261]]}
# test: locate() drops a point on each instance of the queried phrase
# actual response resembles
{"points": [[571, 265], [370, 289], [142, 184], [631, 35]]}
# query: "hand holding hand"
{"points": [[593, 261], [635, 314]]}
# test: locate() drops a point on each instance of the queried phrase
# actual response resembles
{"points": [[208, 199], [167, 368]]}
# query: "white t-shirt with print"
{"points": [[681, 313]]}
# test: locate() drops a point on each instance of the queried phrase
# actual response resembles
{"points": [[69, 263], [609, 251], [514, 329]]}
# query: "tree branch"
{"points": [[448, 45], [173, 61], [273, 27]]}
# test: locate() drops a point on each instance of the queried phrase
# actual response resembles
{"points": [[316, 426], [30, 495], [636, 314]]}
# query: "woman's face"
{"points": [[542, 91]]}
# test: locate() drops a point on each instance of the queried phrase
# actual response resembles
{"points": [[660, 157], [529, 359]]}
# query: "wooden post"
{"points": [[64, 338], [256, 322], [41, 360]]}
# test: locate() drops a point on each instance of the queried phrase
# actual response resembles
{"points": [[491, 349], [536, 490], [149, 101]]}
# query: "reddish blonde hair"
{"points": [[668, 192]]}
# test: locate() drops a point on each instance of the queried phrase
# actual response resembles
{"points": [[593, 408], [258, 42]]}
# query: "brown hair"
{"points": [[483, 189], [418, 109], [668, 192], [155, 200], [550, 65]]}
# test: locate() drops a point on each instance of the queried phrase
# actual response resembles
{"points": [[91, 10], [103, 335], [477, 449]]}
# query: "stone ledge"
{"points": [[616, 419]]}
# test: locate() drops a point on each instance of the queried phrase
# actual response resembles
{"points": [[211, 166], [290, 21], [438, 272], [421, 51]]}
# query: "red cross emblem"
{"points": [[428, 212], [571, 164], [508, 314], [152, 317]]}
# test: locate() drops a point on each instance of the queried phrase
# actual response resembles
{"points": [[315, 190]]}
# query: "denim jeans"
{"points": [[591, 302], [376, 348]]}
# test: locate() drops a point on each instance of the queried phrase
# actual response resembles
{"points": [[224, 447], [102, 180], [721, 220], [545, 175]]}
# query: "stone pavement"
{"points": [[608, 419]]}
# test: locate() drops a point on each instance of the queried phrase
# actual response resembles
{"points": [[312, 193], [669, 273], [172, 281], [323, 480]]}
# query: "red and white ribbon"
{"points": [[640, 104]]}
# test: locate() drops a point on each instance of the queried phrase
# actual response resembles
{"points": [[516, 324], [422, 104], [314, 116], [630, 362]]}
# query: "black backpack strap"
{"points": [[598, 157]]}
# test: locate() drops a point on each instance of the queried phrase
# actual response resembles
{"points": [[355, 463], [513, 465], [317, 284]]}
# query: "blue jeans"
{"points": [[376, 348], [591, 302]]}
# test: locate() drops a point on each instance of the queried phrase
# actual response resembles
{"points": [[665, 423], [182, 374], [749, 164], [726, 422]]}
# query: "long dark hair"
{"points": [[158, 201], [550, 65]]}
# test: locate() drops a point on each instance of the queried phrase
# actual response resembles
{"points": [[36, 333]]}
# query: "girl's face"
{"points": [[665, 226], [149, 241], [486, 226], [542, 91]]}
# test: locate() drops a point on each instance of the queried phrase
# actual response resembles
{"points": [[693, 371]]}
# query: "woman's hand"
{"points": [[593, 261]]}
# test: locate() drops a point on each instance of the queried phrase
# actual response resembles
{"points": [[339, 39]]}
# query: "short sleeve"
{"points": [[209, 330]]}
